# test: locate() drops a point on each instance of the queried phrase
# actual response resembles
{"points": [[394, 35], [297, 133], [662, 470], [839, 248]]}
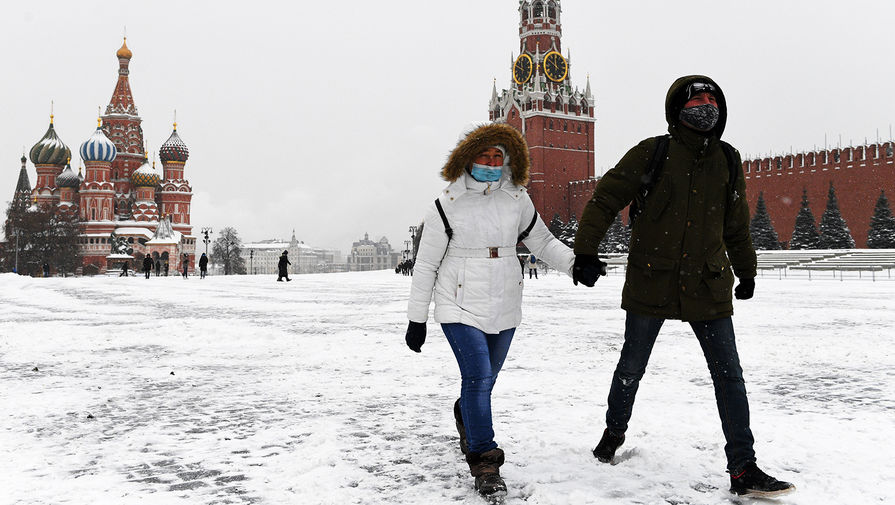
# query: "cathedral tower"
{"points": [[122, 125], [176, 193], [49, 155], [556, 119]]}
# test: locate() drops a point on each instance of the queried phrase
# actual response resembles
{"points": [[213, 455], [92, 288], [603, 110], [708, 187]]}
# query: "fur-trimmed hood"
{"points": [[483, 137]]}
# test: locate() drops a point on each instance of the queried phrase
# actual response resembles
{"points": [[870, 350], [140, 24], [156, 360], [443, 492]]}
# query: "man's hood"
{"points": [[485, 136], [677, 97]]}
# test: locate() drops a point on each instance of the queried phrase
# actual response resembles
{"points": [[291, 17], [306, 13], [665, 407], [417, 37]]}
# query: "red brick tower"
{"points": [[49, 155], [97, 195], [176, 193], [556, 119], [122, 125], [145, 180]]}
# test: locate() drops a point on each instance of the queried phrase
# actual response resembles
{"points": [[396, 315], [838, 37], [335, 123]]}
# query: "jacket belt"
{"points": [[481, 252]]}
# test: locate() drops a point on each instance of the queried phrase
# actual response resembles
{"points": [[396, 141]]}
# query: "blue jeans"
{"points": [[480, 356], [718, 344]]}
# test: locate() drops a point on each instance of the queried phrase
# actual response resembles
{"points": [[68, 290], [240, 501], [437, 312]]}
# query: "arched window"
{"points": [[889, 150], [538, 10], [93, 214], [551, 124], [565, 126], [551, 10], [836, 156], [524, 13], [573, 107], [583, 108]]}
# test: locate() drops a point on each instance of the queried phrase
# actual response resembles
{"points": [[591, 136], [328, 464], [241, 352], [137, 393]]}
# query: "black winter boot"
{"points": [[461, 429], [485, 467], [751, 481], [610, 442]]}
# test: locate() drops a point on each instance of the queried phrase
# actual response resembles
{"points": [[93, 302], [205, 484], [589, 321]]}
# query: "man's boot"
{"points": [[485, 467], [751, 481], [610, 442], [461, 429]]}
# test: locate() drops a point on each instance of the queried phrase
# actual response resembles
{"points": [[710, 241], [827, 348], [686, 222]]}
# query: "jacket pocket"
{"points": [[718, 276], [459, 288], [650, 280], [661, 197]]}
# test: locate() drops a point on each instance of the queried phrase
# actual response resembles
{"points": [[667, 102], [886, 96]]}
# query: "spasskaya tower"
{"points": [[556, 118]]}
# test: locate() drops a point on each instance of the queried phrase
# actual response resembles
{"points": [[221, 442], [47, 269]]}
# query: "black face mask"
{"points": [[701, 117]]}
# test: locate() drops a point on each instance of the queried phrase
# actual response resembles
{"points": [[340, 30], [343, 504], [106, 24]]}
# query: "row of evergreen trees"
{"points": [[833, 232], [37, 235]]}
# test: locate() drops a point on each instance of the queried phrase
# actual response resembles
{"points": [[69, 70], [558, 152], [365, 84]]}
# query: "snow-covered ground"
{"points": [[244, 390]]}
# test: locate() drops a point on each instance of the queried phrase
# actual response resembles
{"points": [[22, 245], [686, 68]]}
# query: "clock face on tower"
{"points": [[555, 66], [522, 69]]}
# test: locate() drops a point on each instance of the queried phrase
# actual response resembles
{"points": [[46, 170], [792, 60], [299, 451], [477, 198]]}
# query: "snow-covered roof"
{"points": [[133, 230]]}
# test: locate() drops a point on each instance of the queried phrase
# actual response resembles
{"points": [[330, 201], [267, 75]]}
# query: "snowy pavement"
{"points": [[243, 390]]}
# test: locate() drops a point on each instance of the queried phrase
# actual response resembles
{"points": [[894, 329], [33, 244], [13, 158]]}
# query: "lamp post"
{"points": [[206, 231], [16, 268], [252, 261], [412, 230]]}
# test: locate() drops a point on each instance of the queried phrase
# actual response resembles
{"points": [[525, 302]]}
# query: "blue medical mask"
{"points": [[485, 173]]}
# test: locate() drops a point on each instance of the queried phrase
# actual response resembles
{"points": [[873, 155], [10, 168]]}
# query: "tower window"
{"points": [[889, 150], [551, 124], [551, 10], [538, 10], [565, 126], [836, 156]]}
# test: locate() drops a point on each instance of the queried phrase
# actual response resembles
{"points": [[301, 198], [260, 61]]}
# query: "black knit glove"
{"points": [[587, 269], [416, 336], [745, 289]]}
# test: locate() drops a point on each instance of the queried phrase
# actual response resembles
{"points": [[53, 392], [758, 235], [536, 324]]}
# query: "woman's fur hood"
{"points": [[483, 137]]}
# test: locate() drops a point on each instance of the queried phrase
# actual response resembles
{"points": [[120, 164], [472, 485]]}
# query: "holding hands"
{"points": [[587, 269]]}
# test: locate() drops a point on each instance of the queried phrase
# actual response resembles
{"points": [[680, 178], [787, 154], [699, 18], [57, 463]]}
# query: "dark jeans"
{"points": [[718, 344], [480, 356]]}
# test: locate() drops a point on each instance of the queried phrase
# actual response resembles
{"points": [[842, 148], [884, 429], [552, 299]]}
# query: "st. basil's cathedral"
{"points": [[119, 198]]}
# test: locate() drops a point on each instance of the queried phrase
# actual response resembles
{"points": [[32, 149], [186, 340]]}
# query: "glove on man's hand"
{"points": [[587, 269], [416, 336], [745, 289]]}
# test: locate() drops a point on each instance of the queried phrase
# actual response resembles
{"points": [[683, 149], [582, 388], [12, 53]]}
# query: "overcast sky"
{"points": [[334, 118]]}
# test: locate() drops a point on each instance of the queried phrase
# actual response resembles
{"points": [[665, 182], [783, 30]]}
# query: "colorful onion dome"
{"points": [[98, 147], [68, 178], [145, 175], [49, 150], [124, 52], [174, 149]]}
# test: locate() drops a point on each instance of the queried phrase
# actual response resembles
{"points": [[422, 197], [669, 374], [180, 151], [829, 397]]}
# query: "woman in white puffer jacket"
{"points": [[467, 256]]}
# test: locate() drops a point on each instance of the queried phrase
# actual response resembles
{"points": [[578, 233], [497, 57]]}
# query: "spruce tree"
{"points": [[882, 225], [556, 226], [225, 251], [617, 237], [569, 231], [764, 236], [805, 235], [834, 232]]}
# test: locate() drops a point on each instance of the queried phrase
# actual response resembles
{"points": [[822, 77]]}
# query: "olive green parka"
{"points": [[693, 229]]}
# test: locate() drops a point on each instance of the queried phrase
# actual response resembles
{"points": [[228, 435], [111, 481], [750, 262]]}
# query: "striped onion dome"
{"points": [[49, 150], [145, 175], [98, 147], [174, 149], [68, 179]]}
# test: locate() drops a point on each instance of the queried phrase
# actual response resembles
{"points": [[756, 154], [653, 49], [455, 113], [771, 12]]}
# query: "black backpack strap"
{"points": [[650, 176], [526, 231], [733, 168], [447, 226]]}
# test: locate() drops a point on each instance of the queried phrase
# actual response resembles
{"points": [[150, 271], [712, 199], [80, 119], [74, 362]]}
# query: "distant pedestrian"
{"points": [[46, 269], [282, 266], [186, 265], [203, 266], [147, 265], [532, 266], [123, 270], [166, 268], [158, 268]]}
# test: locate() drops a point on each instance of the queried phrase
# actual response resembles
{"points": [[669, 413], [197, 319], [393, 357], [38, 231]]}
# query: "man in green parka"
{"points": [[689, 240]]}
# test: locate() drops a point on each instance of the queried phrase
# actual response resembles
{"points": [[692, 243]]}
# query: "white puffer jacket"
{"points": [[481, 291]]}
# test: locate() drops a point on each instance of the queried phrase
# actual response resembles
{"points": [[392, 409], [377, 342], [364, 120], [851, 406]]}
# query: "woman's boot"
{"points": [[485, 467], [461, 429]]}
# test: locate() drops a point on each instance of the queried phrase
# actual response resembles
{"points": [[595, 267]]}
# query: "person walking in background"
{"points": [[147, 265], [46, 269], [691, 238], [124, 267], [158, 268], [186, 265], [283, 267], [467, 257], [532, 266], [203, 266], [166, 268]]}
